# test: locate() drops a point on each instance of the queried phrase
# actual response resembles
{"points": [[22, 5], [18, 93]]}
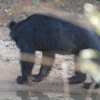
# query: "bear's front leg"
{"points": [[26, 70]]}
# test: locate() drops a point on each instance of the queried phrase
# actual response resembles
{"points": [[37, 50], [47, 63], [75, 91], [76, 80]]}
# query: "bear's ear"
{"points": [[12, 25]]}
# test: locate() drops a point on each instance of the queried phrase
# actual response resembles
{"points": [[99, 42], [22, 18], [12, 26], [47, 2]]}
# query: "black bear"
{"points": [[50, 35]]}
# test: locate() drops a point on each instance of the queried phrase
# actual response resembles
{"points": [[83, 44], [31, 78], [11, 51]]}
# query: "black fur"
{"points": [[50, 35]]}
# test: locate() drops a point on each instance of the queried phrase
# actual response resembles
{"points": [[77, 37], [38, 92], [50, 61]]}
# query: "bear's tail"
{"points": [[12, 25]]}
